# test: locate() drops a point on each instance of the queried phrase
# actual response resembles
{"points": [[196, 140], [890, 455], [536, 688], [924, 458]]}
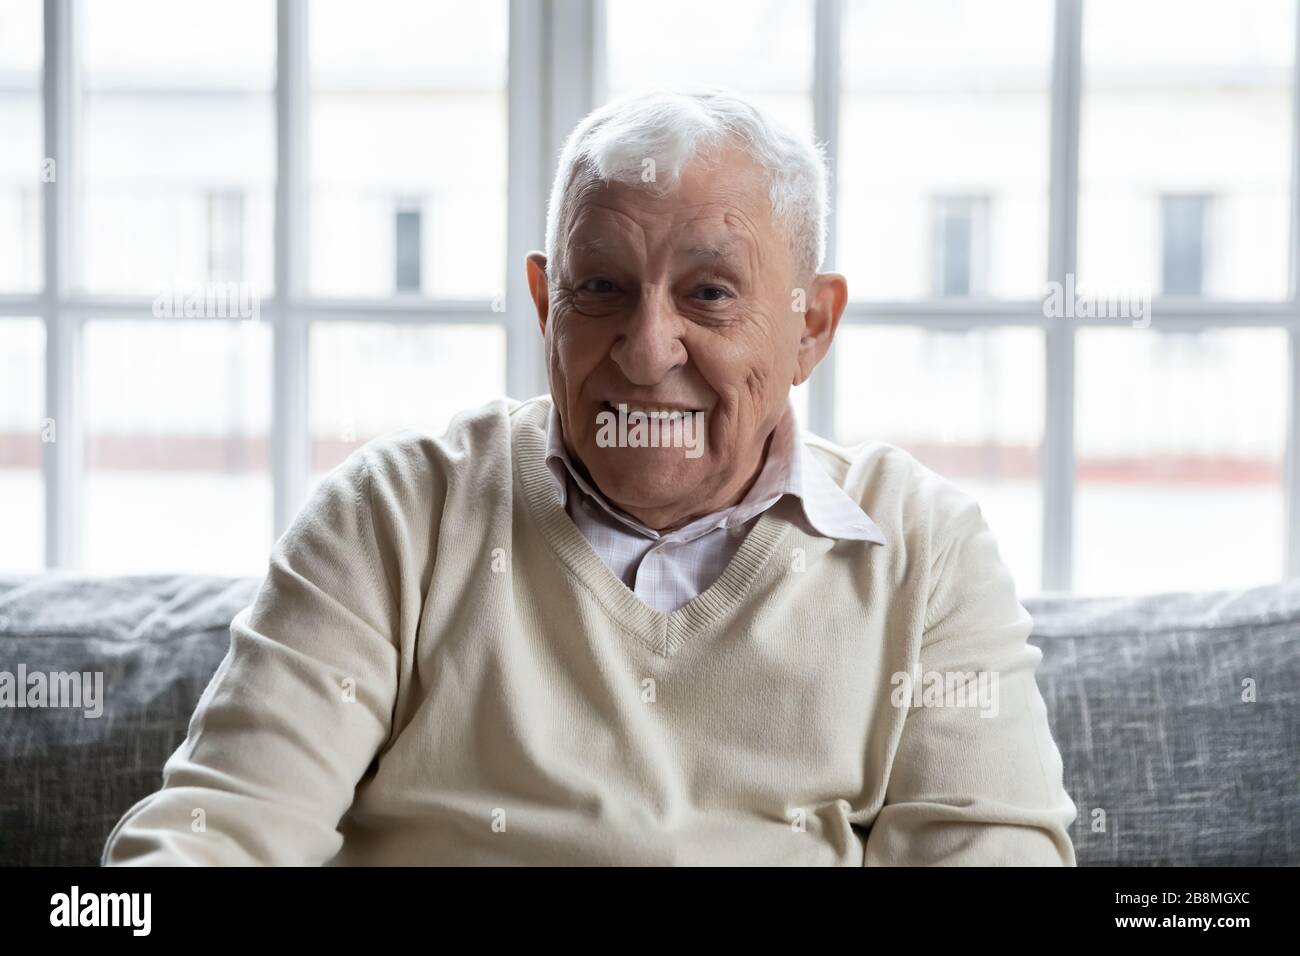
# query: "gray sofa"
{"points": [[1166, 761]]}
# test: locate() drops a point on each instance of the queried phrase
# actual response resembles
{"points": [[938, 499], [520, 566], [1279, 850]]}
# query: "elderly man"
{"points": [[644, 619]]}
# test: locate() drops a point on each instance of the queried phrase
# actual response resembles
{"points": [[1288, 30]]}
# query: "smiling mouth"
{"points": [[668, 412]]}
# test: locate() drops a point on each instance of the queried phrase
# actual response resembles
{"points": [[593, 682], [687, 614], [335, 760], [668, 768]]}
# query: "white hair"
{"points": [[618, 141]]}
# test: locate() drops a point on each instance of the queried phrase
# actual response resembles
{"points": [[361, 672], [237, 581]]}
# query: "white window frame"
{"points": [[556, 75]]}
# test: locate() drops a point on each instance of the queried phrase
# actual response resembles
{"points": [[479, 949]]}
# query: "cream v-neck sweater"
{"points": [[439, 669]]}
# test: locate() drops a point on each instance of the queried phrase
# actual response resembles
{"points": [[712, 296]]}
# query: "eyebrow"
{"points": [[599, 246], [709, 252], [589, 245]]}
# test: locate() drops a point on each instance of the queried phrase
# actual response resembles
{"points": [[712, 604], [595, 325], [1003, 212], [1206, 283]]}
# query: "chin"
{"points": [[645, 477]]}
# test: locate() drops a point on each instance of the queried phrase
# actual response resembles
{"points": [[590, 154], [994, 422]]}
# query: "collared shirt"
{"points": [[668, 570]]}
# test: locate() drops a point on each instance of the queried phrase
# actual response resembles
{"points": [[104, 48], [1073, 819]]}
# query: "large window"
{"points": [[407, 155], [281, 229], [1185, 191], [283, 233], [22, 434], [368, 378], [1184, 100], [760, 48], [177, 428], [23, 169], [1181, 443], [1100, 428], [968, 403], [175, 144]]}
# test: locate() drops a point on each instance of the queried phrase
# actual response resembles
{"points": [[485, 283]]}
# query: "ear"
{"points": [[537, 288], [826, 296]]}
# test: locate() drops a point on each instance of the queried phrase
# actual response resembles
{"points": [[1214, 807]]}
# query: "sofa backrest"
{"points": [[1167, 758], [158, 641], [1178, 719]]}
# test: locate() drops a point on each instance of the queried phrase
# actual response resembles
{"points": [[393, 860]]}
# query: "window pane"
{"points": [[22, 169], [762, 49], [408, 115], [1180, 441], [961, 245], [407, 244], [967, 404], [178, 136], [368, 379], [178, 424], [1183, 244], [1186, 98], [23, 432], [944, 100]]}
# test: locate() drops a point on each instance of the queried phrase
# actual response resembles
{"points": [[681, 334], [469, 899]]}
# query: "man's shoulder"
{"points": [[413, 466], [473, 435], [892, 485]]}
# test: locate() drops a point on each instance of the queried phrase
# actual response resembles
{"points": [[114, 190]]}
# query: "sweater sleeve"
{"points": [[297, 710], [979, 784]]}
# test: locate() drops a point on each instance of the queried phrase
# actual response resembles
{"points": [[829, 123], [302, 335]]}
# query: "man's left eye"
{"points": [[712, 293]]}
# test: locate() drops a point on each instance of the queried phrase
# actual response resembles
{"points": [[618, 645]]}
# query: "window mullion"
{"points": [[574, 35], [525, 191], [556, 76], [826, 126], [1057, 467], [290, 429], [1291, 490], [63, 441]]}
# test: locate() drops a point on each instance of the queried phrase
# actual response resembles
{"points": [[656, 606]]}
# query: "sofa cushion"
{"points": [[1144, 697], [1167, 757], [158, 641]]}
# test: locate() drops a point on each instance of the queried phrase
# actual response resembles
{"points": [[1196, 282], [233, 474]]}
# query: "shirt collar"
{"points": [[790, 468]]}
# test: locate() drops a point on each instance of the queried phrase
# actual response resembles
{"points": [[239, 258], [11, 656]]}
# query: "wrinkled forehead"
{"points": [[718, 207]]}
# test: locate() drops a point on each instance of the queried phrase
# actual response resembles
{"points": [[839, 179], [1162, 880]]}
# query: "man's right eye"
{"points": [[598, 286]]}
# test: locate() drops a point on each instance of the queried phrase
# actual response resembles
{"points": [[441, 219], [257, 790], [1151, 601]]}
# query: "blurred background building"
{"points": [[391, 183]]}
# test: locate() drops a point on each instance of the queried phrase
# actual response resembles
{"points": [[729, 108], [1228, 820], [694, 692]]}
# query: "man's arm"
{"points": [[297, 710], [967, 789]]}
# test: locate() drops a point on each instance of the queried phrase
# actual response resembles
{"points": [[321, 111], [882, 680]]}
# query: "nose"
{"points": [[650, 344]]}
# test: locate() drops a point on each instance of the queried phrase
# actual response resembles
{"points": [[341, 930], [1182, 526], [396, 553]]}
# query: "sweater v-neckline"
{"points": [[663, 632]]}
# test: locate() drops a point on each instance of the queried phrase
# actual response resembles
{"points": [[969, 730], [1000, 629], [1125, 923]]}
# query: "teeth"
{"points": [[654, 411]]}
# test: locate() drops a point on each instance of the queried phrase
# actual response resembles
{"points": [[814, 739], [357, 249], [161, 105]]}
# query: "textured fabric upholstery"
{"points": [[1145, 697]]}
